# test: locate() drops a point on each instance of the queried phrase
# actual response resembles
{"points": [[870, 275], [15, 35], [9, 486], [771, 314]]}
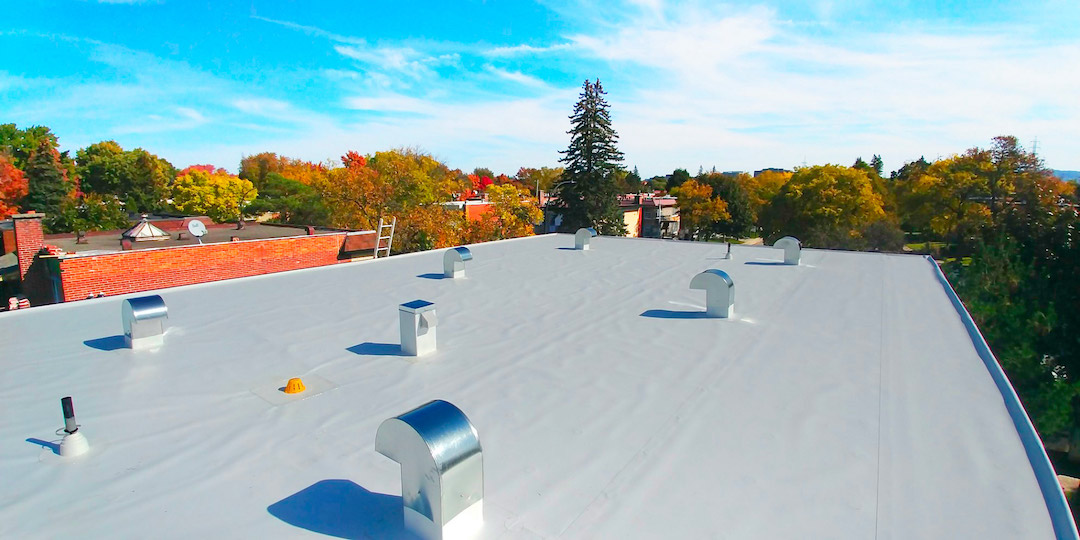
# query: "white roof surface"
{"points": [[845, 401]]}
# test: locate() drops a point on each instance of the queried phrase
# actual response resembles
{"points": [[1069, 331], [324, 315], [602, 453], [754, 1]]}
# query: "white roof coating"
{"points": [[844, 400]]}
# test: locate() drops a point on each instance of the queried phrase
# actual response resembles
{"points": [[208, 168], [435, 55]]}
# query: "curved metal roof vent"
{"points": [[442, 469], [143, 319], [792, 249], [719, 292], [454, 262], [582, 237]]}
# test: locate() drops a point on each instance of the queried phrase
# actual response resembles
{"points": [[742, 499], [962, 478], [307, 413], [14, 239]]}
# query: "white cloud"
{"points": [[526, 49]]}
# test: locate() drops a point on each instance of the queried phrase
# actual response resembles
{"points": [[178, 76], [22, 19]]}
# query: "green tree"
{"points": [[48, 182], [588, 195], [91, 212], [677, 178], [20, 144], [137, 177], [295, 203], [730, 189]]}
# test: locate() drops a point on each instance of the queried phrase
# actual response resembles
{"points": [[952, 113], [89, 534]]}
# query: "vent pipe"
{"points": [[442, 469], [582, 238], [719, 292], [417, 321], [454, 262], [74, 443], [144, 322], [792, 249]]}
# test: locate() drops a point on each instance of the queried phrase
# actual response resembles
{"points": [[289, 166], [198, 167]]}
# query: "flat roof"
{"points": [[98, 242], [846, 399]]}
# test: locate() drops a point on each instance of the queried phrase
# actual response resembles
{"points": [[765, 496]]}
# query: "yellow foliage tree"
{"points": [[511, 214], [217, 194], [762, 188], [824, 205], [698, 210]]}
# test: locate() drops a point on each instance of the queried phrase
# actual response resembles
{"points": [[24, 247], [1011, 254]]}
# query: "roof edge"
{"points": [[1056, 505]]}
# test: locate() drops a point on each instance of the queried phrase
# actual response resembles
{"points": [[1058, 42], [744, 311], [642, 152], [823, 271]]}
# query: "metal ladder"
{"points": [[389, 238]]}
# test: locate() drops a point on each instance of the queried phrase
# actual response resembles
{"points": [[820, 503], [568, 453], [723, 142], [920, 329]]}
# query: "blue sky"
{"points": [[736, 86]]}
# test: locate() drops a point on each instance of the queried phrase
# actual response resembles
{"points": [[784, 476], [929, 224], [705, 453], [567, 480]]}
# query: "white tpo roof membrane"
{"points": [[845, 400]]}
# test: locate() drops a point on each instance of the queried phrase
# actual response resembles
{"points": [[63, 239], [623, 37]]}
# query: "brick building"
{"points": [[63, 268]]}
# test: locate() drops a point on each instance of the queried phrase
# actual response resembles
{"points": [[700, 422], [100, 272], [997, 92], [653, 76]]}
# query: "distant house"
{"points": [[647, 215]]}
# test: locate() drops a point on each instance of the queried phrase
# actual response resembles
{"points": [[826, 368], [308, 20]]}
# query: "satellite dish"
{"points": [[197, 229]]}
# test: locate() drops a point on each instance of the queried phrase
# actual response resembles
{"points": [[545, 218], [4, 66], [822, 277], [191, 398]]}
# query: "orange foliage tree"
{"points": [[13, 187]]}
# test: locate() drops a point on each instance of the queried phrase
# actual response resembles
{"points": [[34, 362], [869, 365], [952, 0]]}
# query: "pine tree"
{"points": [[588, 196], [49, 184]]}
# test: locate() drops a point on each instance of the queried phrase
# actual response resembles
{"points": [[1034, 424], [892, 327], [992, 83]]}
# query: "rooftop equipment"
{"points": [[74, 442], [792, 249], [582, 238], [719, 292], [442, 469], [454, 262], [417, 321], [197, 229], [144, 322], [294, 386]]}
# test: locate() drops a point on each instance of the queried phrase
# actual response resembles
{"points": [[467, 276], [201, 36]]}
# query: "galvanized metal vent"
{"points": [[144, 321], [792, 249], [719, 292], [582, 238], [442, 469], [454, 262]]}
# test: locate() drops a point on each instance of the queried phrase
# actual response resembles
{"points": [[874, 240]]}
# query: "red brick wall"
{"points": [[29, 239], [146, 269]]}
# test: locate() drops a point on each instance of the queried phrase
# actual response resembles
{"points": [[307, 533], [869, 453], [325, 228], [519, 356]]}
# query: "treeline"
{"points": [[1003, 226], [104, 185]]}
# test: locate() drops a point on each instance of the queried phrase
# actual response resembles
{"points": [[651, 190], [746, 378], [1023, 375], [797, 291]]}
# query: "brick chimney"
{"points": [[29, 239]]}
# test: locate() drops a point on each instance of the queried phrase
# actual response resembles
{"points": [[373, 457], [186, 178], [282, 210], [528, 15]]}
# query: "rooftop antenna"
{"points": [[74, 443], [197, 229]]}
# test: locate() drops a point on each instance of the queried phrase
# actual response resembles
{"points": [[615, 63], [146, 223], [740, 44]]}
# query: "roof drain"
{"points": [[442, 469], [582, 238], [74, 442], [454, 262], [792, 249], [144, 322], [417, 321], [719, 292]]}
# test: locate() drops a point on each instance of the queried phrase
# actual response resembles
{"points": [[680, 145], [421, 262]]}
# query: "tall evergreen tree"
{"points": [[49, 184], [588, 195]]}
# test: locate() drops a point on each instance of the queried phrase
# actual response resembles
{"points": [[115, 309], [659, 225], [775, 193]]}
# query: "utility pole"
{"points": [[1035, 146]]}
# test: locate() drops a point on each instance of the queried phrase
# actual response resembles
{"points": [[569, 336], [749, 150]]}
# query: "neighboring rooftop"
{"points": [[110, 240], [847, 399]]}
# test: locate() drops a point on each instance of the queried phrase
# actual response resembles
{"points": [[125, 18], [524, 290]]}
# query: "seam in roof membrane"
{"points": [[1060, 515]]}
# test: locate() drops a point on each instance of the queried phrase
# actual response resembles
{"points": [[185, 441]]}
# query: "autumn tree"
{"points": [[824, 206], [215, 193], [588, 194], [511, 214], [13, 187], [762, 188], [257, 167], [539, 179], [404, 183], [699, 211]]}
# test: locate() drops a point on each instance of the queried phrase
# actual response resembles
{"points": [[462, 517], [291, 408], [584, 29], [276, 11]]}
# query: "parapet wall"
{"points": [[124, 272]]}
